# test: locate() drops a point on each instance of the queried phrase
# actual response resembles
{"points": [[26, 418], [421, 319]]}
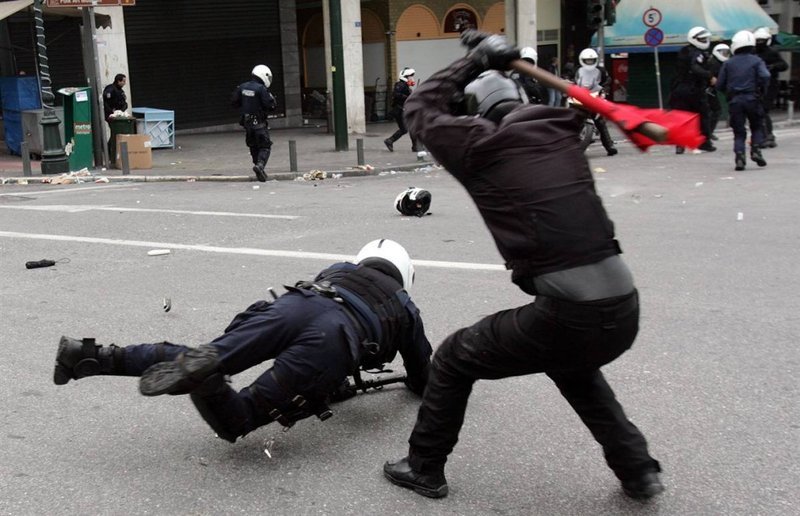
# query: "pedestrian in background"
{"points": [[692, 77], [719, 55], [401, 91], [254, 101], [553, 95], [114, 99], [744, 78], [775, 65], [524, 169]]}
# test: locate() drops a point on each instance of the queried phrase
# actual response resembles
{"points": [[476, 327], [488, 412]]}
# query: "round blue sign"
{"points": [[654, 36]]}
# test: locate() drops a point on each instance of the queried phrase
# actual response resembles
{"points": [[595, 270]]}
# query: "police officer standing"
{"points": [[114, 99], [775, 65], [595, 79], [692, 77], [719, 55], [254, 100], [527, 174], [353, 315], [537, 94], [401, 91], [744, 78]]}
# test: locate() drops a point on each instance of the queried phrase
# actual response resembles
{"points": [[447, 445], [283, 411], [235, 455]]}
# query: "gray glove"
{"points": [[494, 52], [471, 37]]}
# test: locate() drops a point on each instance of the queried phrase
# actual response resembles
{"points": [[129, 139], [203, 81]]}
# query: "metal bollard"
{"points": [[790, 111], [292, 155], [360, 150], [26, 160], [126, 166]]}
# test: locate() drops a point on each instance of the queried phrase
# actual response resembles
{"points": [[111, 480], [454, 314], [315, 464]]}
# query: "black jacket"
{"points": [[113, 99], [692, 75], [528, 176], [253, 98], [775, 65], [400, 93]]}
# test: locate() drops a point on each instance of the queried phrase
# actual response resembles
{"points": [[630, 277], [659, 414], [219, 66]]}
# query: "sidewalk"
{"points": [[225, 157]]}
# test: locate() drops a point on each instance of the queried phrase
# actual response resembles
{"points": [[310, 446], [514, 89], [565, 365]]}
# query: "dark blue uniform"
{"points": [[744, 78], [400, 93], [316, 341], [692, 77], [775, 65], [255, 101]]}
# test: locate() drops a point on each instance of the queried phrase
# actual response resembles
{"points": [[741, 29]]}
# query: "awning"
{"points": [[14, 6], [723, 18], [787, 42]]}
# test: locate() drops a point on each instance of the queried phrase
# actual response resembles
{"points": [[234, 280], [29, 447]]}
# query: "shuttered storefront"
{"points": [[189, 55]]}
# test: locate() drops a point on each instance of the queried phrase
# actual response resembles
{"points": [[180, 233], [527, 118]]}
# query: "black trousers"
{"points": [[745, 111], [694, 101], [401, 130], [257, 139], [605, 136], [568, 342]]}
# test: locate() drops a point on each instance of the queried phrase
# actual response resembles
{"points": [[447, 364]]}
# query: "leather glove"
{"points": [[494, 52], [471, 37]]}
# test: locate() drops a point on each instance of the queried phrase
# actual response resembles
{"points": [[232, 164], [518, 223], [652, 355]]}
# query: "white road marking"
{"points": [[75, 208], [23, 193], [240, 250]]}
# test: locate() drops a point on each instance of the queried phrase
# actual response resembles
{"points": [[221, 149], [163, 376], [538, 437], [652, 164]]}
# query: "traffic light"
{"points": [[611, 12], [594, 13]]}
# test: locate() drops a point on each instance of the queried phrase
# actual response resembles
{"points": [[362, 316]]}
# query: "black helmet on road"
{"points": [[413, 201]]}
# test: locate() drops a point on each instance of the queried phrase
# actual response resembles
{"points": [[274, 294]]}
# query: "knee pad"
{"points": [[219, 406]]}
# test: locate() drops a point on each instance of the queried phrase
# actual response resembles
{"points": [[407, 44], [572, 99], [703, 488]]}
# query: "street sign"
{"points": [[89, 3], [652, 17], [653, 37]]}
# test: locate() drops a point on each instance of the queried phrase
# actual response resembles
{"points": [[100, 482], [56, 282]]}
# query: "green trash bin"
{"points": [[78, 126], [119, 125]]}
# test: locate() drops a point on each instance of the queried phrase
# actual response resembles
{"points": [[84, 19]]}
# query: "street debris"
{"points": [[336, 176], [256, 187], [101, 180], [314, 175], [365, 167], [158, 252], [39, 264], [699, 183], [167, 303], [740, 216], [599, 170]]}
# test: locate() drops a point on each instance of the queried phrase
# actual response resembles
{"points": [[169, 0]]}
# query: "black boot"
{"points": [[755, 155], [643, 487], [741, 162], [181, 376], [389, 144], [431, 484], [258, 168], [77, 359]]}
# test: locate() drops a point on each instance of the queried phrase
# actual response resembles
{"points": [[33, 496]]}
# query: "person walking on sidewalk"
{"points": [[254, 101], [352, 316], [401, 91], [527, 174], [775, 65], [745, 78]]}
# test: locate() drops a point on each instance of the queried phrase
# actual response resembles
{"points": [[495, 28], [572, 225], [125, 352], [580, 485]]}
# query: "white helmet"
{"points": [[699, 37], [722, 52], [413, 201], [405, 73], [530, 54], [264, 73], [763, 34], [742, 39], [386, 250], [588, 58]]}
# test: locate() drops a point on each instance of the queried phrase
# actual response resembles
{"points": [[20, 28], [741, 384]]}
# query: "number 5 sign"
{"points": [[651, 17]]}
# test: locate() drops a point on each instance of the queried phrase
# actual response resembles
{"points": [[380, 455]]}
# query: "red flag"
{"points": [[681, 127]]}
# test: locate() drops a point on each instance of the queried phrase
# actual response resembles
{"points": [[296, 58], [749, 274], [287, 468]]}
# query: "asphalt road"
{"points": [[712, 379]]}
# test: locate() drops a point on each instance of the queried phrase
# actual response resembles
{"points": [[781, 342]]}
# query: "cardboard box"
{"points": [[140, 152]]}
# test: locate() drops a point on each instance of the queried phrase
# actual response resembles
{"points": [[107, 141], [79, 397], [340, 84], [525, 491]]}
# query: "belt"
{"points": [[602, 311]]}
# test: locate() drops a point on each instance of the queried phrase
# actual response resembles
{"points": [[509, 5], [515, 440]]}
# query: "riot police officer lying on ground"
{"points": [[351, 316]]}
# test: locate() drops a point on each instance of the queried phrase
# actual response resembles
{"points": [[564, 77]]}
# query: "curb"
{"points": [[277, 176]]}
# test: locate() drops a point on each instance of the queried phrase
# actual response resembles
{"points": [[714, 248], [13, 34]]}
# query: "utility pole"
{"points": [[337, 69], [54, 159], [92, 69]]}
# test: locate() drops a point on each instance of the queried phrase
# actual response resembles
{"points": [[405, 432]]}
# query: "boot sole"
{"points": [[260, 175], [439, 492], [180, 376], [645, 494]]}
